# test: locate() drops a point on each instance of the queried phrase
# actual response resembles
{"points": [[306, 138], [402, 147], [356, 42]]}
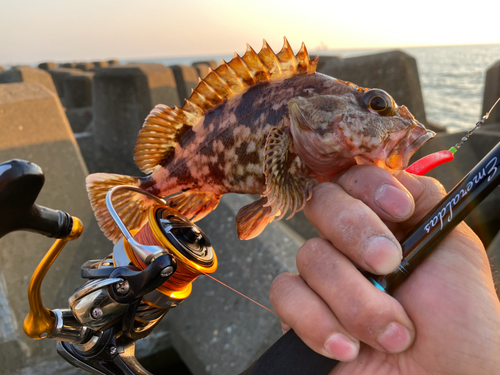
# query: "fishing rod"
{"points": [[152, 270], [291, 356]]}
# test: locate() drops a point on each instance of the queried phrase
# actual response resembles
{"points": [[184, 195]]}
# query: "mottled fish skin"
{"points": [[224, 152], [262, 124]]}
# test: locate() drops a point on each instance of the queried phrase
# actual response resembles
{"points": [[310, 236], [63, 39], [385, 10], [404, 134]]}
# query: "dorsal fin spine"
{"points": [[192, 106], [232, 79], [164, 126], [206, 86], [312, 65], [241, 69], [250, 72], [302, 59], [252, 59], [214, 80], [288, 60], [270, 60], [200, 100]]}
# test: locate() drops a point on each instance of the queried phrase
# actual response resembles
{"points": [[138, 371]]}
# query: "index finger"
{"points": [[379, 190]]}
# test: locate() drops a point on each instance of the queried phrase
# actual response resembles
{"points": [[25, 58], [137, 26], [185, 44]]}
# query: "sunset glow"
{"points": [[32, 31]]}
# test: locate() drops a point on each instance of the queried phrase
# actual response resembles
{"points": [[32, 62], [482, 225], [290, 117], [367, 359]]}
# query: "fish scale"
{"points": [[264, 124]]}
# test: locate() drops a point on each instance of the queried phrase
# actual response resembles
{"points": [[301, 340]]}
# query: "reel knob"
{"points": [[20, 184]]}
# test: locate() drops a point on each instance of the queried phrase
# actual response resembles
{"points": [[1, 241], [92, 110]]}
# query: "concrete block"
{"points": [[100, 64], [395, 72], [123, 97], [202, 69], [59, 75], [85, 66], [88, 148], [47, 65], [211, 63], [186, 78], [216, 331], [68, 65], [434, 126], [35, 128], [485, 219], [492, 93], [324, 59], [80, 118], [28, 74], [78, 90]]}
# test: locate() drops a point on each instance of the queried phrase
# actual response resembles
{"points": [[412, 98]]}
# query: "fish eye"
{"points": [[378, 101]]}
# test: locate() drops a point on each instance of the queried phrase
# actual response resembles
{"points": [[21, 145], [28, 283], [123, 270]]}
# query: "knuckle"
{"points": [[310, 251], [368, 317], [434, 186], [349, 213], [280, 287]]}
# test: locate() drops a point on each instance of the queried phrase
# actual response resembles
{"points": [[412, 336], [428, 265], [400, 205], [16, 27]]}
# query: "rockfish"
{"points": [[264, 124]]}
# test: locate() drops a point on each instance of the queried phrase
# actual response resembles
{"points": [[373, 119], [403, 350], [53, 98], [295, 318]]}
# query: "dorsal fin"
{"points": [[164, 126]]}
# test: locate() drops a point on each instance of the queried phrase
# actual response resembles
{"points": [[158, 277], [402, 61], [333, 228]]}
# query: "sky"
{"points": [[33, 31]]}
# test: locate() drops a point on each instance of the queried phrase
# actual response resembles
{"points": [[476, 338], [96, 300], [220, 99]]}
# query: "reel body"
{"points": [[185, 241], [126, 294]]}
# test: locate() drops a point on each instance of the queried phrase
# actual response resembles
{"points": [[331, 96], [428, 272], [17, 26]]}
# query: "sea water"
{"points": [[452, 78]]}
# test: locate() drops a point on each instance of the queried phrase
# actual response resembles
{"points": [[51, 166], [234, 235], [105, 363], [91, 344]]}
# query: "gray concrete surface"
{"points": [[123, 97], [85, 66], [215, 330], [80, 118], [324, 59], [201, 69], [35, 128], [59, 75], [211, 63], [68, 65], [78, 90], [28, 74], [47, 65], [492, 93], [100, 64], [186, 78]]}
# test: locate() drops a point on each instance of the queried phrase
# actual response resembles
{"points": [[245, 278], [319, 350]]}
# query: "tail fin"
{"points": [[130, 206]]}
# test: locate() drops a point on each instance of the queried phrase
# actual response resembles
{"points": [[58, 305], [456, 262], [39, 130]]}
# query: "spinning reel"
{"points": [[127, 293]]}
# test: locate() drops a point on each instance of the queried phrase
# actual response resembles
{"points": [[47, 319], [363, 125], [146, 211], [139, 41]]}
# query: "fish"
{"points": [[265, 124]]}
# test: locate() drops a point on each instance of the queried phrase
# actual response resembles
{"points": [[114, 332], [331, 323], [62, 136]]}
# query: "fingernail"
{"points": [[395, 338], [382, 255], [342, 348], [285, 327], [394, 202]]}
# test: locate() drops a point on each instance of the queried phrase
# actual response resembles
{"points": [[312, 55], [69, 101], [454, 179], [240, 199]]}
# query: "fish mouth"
{"points": [[400, 155]]}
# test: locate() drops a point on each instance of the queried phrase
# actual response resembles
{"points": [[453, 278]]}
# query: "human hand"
{"points": [[444, 319]]}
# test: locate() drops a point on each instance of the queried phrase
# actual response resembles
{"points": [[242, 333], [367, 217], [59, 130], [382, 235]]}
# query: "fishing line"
{"points": [[185, 274], [425, 164], [241, 294], [420, 167]]}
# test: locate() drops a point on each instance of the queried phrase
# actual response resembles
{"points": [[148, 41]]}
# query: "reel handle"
{"points": [[20, 183]]}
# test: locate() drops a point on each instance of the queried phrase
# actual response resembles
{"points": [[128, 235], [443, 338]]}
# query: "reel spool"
{"points": [[185, 241]]}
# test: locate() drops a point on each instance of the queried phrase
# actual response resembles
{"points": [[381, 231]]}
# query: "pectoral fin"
{"points": [[252, 219], [194, 205], [286, 186]]}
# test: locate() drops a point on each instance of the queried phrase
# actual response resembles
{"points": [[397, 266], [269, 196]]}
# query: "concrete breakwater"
{"points": [[74, 119]]}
